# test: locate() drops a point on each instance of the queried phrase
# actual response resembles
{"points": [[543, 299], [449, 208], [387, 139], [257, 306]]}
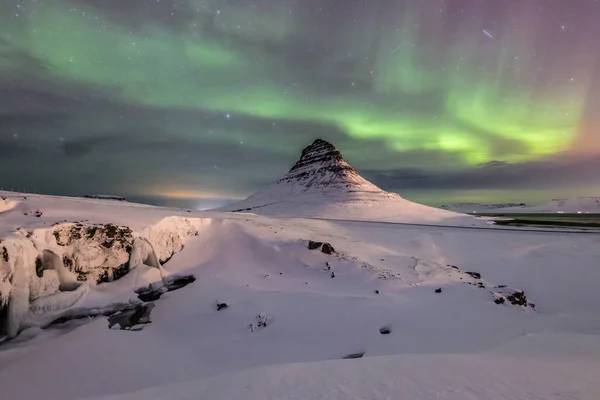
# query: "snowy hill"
{"points": [[281, 308], [323, 185], [478, 207], [572, 205]]}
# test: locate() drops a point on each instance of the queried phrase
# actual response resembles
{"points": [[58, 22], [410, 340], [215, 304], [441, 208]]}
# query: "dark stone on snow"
{"points": [[517, 298], [174, 283], [333, 274], [179, 282], [438, 290], [327, 248], [499, 300], [354, 355], [39, 267], [130, 318], [150, 296], [376, 291], [314, 245], [453, 266], [221, 306], [475, 275], [385, 330]]}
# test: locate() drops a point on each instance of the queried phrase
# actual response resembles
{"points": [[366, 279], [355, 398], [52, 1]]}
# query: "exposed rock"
{"points": [[262, 320], [103, 197], [376, 291], [499, 300], [221, 306], [39, 267], [517, 298], [353, 356], [98, 253], [325, 247], [475, 275], [176, 282], [438, 290], [150, 296], [154, 291], [314, 245], [385, 330], [130, 318]]}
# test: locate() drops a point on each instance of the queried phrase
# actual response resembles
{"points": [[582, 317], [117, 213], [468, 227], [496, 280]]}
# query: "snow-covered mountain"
{"points": [[478, 207], [572, 205], [323, 185]]}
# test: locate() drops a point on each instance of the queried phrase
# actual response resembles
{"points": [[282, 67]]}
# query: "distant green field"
{"points": [[547, 219]]}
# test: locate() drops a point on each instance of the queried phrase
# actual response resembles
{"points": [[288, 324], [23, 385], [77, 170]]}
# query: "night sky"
{"points": [[438, 100]]}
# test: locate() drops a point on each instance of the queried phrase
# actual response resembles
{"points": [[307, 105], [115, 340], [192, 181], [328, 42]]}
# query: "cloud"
{"points": [[567, 170]]}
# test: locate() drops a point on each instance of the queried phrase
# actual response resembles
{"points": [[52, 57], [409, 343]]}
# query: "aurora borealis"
{"points": [[435, 99]]}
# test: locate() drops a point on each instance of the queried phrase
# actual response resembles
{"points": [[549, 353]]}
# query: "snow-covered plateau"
{"points": [[105, 299], [481, 208], [570, 205]]}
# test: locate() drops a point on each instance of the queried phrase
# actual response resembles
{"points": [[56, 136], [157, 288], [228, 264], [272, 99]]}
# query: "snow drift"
{"points": [[323, 185]]}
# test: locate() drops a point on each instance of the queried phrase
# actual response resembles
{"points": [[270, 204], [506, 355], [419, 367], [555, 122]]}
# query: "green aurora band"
{"points": [[484, 98]]}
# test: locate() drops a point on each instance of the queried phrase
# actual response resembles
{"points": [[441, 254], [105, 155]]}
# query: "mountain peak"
{"points": [[323, 184], [322, 166], [320, 146]]}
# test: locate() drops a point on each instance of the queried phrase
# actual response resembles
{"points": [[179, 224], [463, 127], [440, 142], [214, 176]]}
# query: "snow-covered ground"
{"points": [[480, 208], [571, 205], [455, 344]]}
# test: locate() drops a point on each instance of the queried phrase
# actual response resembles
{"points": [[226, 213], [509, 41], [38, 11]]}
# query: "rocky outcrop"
{"points": [[98, 253], [50, 269], [321, 165], [324, 247]]}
